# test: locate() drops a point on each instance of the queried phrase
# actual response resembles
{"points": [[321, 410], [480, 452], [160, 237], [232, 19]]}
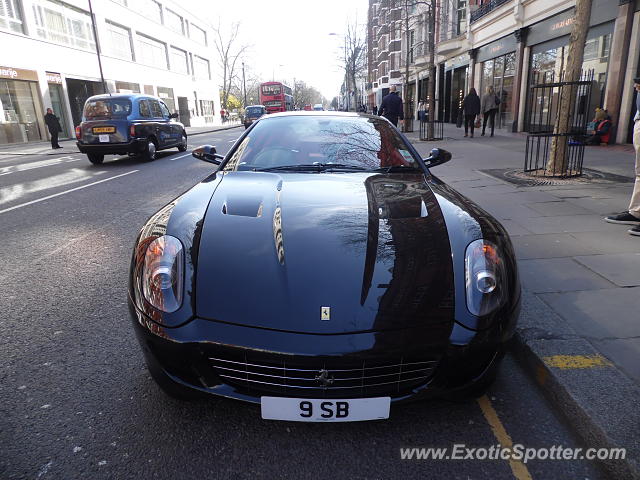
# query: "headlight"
{"points": [[485, 278], [163, 273]]}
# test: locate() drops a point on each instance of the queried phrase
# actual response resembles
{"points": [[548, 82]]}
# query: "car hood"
{"points": [[325, 253]]}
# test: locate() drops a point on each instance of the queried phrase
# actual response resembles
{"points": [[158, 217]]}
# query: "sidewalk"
{"points": [[579, 330], [69, 144]]}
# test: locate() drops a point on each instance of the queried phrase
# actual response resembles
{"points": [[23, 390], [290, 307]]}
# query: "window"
{"points": [[166, 94], [155, 109], [145, 110], [179, 61], [119, 41], [10, 18], [152, 52], [461, 17], [111, 108], [198, 35], [174, 21], [165, 110], [412, 41], [64, 24], [149, 8], [201, 68], [127, 87]]}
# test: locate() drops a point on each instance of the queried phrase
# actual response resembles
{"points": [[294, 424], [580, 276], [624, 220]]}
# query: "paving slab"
{"points": [[564, 224], [555, 208], [559, 275], [599, 314], [614, 240], [624, 352], [513, 228], [623, 269], [551, 245]]}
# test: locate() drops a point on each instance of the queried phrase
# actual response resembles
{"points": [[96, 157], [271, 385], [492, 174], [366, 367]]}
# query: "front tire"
{"points": [[149, 152], [183, 146], [95, 158]]}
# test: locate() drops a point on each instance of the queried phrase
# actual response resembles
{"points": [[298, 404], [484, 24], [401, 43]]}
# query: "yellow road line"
{"points": [[518, 468], [576, 361]]}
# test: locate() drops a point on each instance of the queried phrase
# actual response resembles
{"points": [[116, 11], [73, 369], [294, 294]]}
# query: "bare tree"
{"points": [[558, 155], [304, 94], [354, 56], [229, 52]]}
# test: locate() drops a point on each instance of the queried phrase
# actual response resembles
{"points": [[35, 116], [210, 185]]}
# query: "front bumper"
{"points": [[187, 355], [135, 145]]}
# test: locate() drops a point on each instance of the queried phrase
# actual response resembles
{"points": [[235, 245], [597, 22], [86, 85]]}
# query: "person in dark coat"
{"points": [[391, 107], [471, 109], [53, 124]]}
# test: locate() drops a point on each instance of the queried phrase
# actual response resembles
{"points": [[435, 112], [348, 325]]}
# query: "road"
{"points": [[76, 401]]}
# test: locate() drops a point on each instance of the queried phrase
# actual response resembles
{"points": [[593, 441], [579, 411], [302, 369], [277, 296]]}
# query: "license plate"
{"points": [[103, 129], [103, 138], [325, 410]]}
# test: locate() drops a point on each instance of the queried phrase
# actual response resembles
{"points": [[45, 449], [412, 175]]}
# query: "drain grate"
{"points": [[529, 179]]}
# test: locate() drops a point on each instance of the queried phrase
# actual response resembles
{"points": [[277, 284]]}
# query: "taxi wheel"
{"points": [[149, 153], [183, 145], [95, 158]]}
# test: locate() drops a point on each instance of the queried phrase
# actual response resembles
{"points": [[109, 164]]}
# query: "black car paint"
{"points": [[164, 131], [467, 347]]}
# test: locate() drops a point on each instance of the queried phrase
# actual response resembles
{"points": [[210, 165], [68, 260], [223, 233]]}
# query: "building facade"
{"points": [[511, 45], [49, 59]]}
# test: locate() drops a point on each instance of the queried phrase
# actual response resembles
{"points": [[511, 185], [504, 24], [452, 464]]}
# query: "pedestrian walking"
{"points": [[53, 124], [391, 107], [489, 108], [632, 215], [471, 109], [375, 110]]}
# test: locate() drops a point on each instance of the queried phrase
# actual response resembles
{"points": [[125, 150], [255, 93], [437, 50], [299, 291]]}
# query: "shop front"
{"points": [[456, 85], [549, 46], [21, 115], [498, 68]]}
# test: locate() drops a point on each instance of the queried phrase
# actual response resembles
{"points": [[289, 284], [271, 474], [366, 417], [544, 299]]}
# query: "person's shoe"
{"points": [[634, 231], [482, 134], [472, 135], [623, 218], [466, 135], [492, 134]]}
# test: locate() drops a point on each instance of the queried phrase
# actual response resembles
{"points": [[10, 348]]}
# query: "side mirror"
{"points": [[438, 157], [173, 115], [208, 154]]}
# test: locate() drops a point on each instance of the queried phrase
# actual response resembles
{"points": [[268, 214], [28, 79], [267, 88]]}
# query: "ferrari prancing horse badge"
{"points": [[325, 313]]}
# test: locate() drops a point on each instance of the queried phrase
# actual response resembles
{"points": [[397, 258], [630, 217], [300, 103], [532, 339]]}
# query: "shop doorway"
{"points": [[57, 103], [458, 89], [183, 111], [79, 91]]}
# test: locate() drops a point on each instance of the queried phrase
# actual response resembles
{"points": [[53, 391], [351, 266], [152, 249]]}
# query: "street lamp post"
{"points": [[244, 86], [95, 37]]}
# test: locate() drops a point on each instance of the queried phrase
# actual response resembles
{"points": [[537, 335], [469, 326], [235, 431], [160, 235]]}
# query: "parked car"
{"points": [[318, 107], [128, 124], [323, 272], [252, 113]]}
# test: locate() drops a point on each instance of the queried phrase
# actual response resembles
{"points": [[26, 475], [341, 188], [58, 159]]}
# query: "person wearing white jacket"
{"points": [[489, 108]]}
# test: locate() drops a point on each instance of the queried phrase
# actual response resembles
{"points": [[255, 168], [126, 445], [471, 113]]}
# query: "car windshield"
{"points": [[107, 108], [355, 143], [255, 111]]}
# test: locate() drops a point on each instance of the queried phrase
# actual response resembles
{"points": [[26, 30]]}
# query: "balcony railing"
{"points": [[485, 8]]}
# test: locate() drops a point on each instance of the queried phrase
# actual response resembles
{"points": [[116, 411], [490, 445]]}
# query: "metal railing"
{"points": [[438, 129], [486, 8]]}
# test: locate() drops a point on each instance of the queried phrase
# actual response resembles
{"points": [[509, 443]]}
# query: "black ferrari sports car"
{"points": [[323, 272]]}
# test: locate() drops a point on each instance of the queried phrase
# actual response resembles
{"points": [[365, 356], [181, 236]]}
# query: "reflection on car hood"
{"points": [[325, 253]]}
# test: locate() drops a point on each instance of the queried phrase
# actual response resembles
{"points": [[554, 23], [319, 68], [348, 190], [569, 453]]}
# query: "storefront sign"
{"points": [[18, 74], [53, 77], [455, 62], [496, 49], [560, 24]]}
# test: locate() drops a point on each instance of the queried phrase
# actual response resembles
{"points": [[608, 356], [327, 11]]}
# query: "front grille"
{"points": [[323, 378]]}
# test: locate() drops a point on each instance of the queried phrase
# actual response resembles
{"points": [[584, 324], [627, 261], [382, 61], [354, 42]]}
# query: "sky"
{"points": [[290, 38]]}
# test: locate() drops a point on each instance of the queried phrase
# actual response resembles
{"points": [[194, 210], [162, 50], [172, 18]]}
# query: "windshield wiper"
{"points": [[314, 167], [397, 168]]}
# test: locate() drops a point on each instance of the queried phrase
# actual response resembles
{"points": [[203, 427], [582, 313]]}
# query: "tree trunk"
{"points": [[559, 153]]}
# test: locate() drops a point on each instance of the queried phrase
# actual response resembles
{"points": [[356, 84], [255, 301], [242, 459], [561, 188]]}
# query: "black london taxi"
{"points": [[131, 124], [252, 113]]}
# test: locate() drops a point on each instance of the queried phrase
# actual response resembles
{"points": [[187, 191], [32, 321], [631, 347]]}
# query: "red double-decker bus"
{"points": [[276, 97]]}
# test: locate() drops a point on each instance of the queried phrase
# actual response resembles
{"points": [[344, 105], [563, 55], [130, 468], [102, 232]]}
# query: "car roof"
{"points": [[319, 113], [129, 96]]}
